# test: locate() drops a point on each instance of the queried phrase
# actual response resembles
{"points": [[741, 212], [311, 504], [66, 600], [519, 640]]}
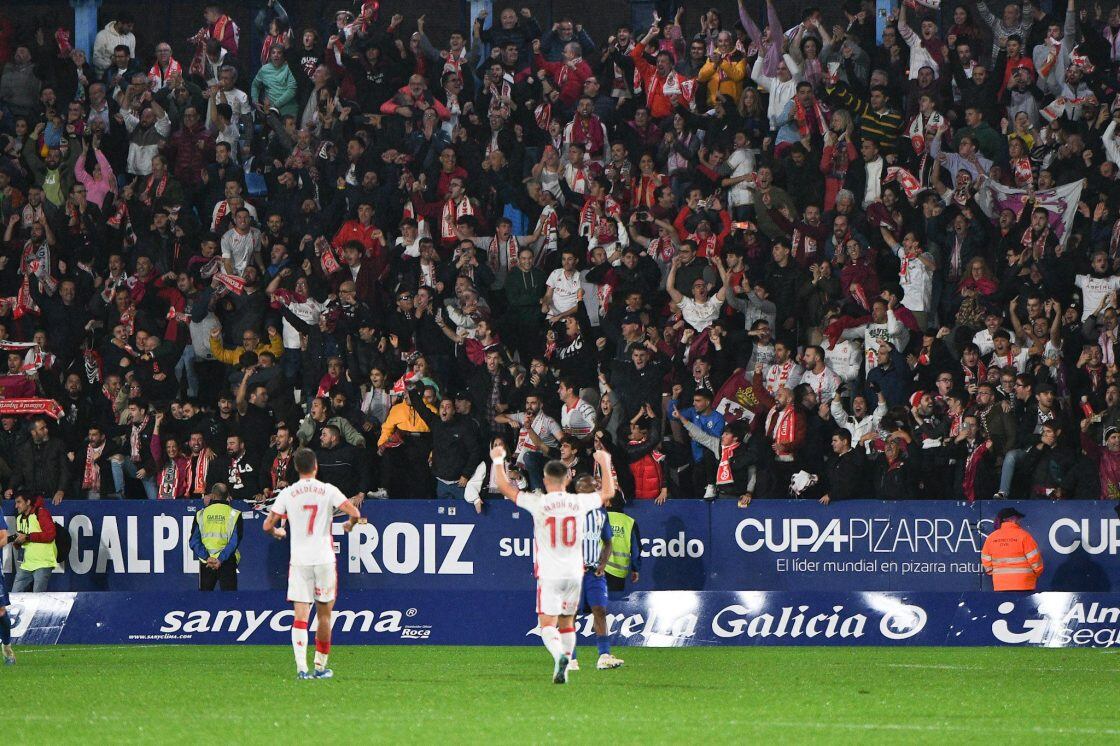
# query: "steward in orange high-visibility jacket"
{"points": [[1010, 554]]}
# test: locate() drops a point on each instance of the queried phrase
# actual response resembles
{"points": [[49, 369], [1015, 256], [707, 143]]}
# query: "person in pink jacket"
{"points": [[102, 181]]}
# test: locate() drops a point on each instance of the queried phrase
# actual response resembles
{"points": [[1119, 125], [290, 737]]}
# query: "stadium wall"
{"points": [[690, 545], [657, 619]]}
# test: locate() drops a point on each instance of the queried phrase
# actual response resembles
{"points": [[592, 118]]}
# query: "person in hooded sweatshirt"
{"points": [[19, 86]]}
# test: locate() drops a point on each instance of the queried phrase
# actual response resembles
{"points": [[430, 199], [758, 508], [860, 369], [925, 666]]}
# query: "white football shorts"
{"points": [[308, 583], [558, 597]]}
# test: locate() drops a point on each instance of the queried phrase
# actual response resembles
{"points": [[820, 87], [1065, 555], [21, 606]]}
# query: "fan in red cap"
{"points": [[916, 399]]}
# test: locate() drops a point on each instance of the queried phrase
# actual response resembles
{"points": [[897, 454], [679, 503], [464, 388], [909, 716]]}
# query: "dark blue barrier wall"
{"points": [[687, 545], [655, 619]]}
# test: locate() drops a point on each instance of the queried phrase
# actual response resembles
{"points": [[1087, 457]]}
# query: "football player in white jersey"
{"points": [[309, 506], [558, 527]]}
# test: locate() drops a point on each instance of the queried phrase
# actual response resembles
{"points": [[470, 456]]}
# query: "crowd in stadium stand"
{"points": [[752, 257]]}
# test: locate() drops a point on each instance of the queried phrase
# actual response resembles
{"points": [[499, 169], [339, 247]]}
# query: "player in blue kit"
{"points": [[596, 552], [5, 619]]}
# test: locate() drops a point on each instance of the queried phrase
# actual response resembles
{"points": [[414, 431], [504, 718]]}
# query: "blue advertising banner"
{"points": [[1080, 541], [650, 619], [692, 545], [856, 545]]}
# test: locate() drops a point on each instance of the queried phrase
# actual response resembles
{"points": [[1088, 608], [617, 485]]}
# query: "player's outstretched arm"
{"points": [[606, 492], [350, 509], [507, 488]]}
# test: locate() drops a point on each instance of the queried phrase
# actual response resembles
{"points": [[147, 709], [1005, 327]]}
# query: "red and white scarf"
{"points": [[589, 132], [922, 128], [661, 250], [91, 472], [450, 215], [279, 468], [219, 214], [134, 440], [673, 85], [808, 119], [782, 425], [503, 254], [453, 62], [1036, 243], [200, 464], [542, 115], [233, 283], [269, 40], [778, 376], [153, 189], [644, 191], [547, 224], [157, 78], [566, 71], [174, 479], [723, 473]]}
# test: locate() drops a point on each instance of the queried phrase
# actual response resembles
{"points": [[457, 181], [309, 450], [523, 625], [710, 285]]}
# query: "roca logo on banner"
{"points": [[1094, 535], [1078, 625]]}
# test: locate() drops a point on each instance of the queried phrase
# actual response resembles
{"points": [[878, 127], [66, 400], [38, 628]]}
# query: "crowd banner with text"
{"points": [[687, 545], [648, 619]]}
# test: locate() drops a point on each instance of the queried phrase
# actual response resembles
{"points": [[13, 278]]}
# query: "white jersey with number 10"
{"points": [[558, 531], [309, 506]]}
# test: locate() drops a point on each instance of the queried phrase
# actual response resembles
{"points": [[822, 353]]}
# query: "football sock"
{"points": [[550, 636], [6, 629], [568, 640], [322, 650], [299, 644], [603, 643]]}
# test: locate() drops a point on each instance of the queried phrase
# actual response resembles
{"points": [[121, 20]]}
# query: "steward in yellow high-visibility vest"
{"points": [[626, 550], [215, 538]]}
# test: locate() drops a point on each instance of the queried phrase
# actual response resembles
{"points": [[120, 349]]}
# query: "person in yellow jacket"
{"points": [[1010, 554], [250, 342], [35, 535], [406, 444], [723, 73]]}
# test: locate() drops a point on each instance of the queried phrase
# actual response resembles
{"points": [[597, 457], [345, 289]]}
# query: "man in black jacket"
{"points": [[456, 449], [638, 381], [487, 402], [847, 470], [342, 464], [738, 460], [237, 471], [40, 466]]}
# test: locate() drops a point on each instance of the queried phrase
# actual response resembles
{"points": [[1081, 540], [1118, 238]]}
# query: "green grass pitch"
{"points": [[248, 694]]}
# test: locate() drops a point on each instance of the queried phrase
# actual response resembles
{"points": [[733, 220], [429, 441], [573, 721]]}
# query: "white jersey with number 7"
{"points": [[309, 506], [558, 531]]}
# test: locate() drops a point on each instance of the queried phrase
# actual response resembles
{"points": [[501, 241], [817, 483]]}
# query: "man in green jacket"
{"points": [[278, 84]]}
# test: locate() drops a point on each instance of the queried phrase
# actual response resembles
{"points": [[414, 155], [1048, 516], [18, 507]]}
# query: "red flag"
{"points": [[736, 399]]}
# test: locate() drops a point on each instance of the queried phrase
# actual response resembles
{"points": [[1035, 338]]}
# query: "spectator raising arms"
{"points": [[731, 257]]}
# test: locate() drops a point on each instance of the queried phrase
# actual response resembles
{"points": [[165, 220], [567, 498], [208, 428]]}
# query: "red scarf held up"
{"points": [[590, 133], [723, 473]]}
